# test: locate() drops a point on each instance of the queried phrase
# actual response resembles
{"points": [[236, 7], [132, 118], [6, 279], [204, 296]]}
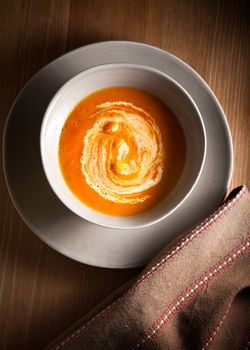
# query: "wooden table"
{"points": [[41, 291]]}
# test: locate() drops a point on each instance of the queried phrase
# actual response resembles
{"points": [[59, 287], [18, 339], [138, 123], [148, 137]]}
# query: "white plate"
{"points": [[50, 219]]}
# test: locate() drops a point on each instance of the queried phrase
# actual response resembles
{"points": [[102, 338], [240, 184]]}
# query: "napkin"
{"points": [[194, 295]]}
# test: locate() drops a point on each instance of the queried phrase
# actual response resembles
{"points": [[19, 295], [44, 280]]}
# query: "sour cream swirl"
{"points": [[123, 153]]}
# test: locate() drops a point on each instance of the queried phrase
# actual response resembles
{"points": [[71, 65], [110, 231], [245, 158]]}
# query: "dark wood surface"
{"points": [[41, 291]]}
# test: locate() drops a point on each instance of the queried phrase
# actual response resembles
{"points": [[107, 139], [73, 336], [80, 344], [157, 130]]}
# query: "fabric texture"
{"points": [[194, 295]]}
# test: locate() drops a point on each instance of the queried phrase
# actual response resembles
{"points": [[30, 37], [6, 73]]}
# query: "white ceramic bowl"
{"points": [[132, 75]]}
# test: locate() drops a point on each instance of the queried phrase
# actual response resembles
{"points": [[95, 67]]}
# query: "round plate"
{"points": [[44, 213]]}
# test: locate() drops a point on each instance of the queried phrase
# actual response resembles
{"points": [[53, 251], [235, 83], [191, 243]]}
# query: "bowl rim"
{"points": [[45, 121]]}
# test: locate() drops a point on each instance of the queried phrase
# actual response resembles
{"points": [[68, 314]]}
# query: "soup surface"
{"points": [[121, 150]]}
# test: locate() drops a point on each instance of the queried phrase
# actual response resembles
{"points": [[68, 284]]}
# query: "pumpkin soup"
{"points": [[121, 150]]}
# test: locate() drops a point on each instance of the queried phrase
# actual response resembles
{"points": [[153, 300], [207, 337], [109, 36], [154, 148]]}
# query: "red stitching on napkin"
{"points": [[193, 289], [176, 249], [211, 335]]}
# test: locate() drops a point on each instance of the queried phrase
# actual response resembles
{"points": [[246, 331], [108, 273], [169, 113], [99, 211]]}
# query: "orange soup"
{"points": [[121, 150]]}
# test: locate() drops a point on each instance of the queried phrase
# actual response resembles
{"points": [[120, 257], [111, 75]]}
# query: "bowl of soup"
{"points": [[122, 145]]}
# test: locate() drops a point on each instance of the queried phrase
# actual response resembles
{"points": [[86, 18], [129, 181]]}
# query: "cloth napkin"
{"points": [[194, 295]]}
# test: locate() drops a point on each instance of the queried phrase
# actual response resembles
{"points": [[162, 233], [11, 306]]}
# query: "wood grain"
{"points": [[42, 292]]}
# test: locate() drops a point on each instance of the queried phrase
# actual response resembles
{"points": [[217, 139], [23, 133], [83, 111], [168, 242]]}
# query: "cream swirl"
{"points": [[123, 153]]}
